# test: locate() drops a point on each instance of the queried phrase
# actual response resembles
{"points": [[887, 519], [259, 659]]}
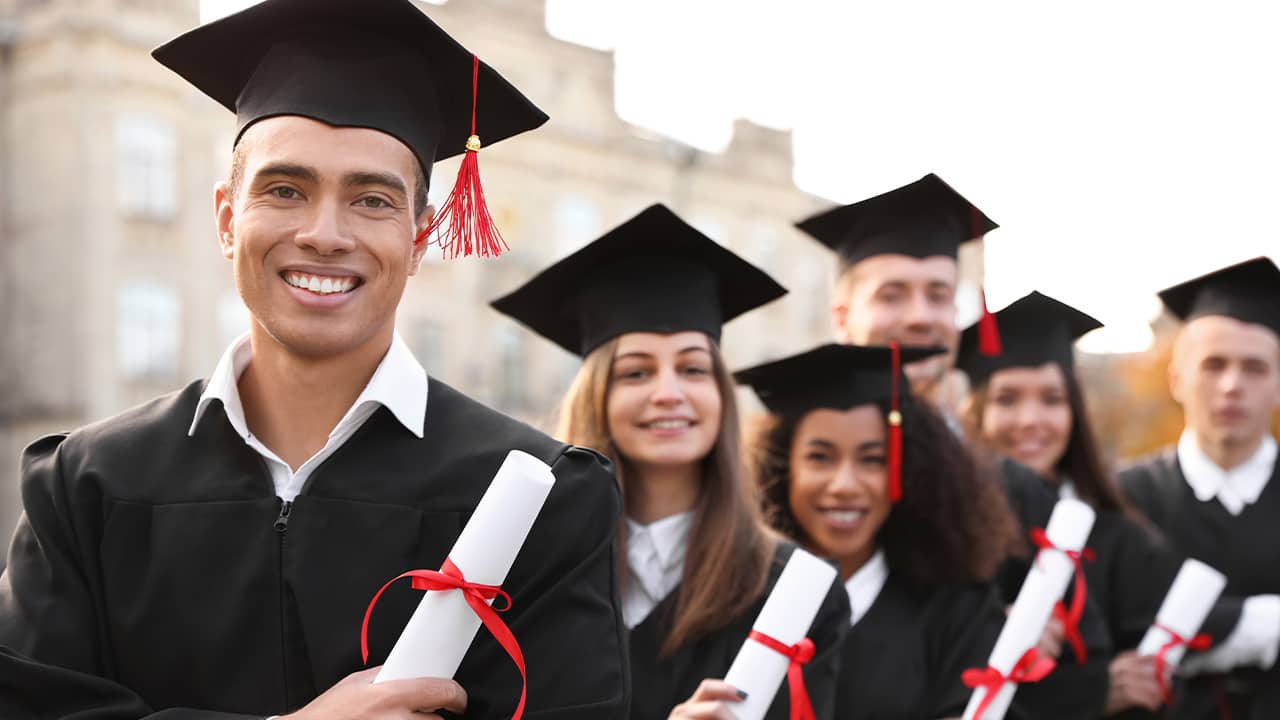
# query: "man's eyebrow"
{"points": [[387, 180], [291, 170]]}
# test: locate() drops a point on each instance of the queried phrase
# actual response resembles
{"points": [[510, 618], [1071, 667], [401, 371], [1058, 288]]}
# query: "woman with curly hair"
{"points": [[855, 468], [1027, 404], [644, 305]]}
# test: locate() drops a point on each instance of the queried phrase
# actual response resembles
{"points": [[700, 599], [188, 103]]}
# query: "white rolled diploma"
{"points": [[787, 615], [441, 629], [1068, 529], [1188, 602]]}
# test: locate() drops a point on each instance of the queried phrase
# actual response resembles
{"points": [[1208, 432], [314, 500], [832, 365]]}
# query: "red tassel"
{"points": [[463, 226], [895, 428], [988, 331]]}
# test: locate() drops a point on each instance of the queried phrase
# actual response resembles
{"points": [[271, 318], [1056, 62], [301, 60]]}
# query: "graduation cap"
{"points": [[922, 219], [1247, 291], [841, 377], [653, 273], [1034, 330], [379, 64]]}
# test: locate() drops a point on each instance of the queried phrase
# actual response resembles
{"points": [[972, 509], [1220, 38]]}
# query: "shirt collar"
{"points": [[399, 383], [865, 586], [1234, 488], [668, 537]]}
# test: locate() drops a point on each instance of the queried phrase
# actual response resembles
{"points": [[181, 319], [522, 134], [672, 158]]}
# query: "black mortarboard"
{"points": [[653, 273], [922, 219], [379, 64], [1034, 330], [840, 377], [1248, 291]]}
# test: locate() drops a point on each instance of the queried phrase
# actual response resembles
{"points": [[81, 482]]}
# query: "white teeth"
{"points": [[669, 424], [320, 285], [844, 516]]}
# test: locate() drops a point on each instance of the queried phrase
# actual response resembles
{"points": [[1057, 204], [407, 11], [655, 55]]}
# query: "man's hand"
{"points": [[708, 702], [1050, 644], [1133, 683], [355, 697]]}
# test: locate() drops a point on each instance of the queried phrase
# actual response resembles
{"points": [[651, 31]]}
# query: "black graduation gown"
{"points": [[660, 683], [1245, 547], [904, 658], [1073, 690], [154, 571]]}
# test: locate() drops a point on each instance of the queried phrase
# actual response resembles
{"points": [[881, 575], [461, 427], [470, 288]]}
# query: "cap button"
{"points": [[473, 143]]}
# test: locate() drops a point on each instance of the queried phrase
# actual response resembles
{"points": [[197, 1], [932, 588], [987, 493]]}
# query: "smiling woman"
{"points": [[644, 306]]}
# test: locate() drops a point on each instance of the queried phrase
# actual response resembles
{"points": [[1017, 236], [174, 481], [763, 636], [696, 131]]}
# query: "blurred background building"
{"points": [[112, 289]]}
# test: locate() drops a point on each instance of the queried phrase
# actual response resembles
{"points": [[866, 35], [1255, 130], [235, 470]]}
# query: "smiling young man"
{"points": [[1216, 494], [897, 275], [210, 555]]}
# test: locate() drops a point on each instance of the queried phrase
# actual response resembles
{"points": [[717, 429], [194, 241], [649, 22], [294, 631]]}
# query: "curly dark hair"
{"points": [[953, 523]]}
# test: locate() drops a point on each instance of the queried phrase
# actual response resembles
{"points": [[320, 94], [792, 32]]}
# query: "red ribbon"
{"points": [[799, 655], [1029, 668], [1070, 618], [1199, 642], [449, 577]]}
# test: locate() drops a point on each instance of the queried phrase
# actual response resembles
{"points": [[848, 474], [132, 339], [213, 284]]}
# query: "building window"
{"points": [[426, 340], [511, 390], [577, 223], [147, 331], [233, 317], [146, 166]]}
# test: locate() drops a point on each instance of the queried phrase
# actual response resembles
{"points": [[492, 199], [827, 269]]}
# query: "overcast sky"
{"points": [[1122, 146]]}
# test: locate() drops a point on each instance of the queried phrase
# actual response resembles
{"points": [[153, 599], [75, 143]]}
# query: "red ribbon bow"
{"points": [[1070, 618], [799, 655], [1029, 668], [1201, 641], [449, 577]]}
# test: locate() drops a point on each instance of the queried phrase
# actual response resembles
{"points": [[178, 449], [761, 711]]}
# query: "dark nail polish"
{"points": [[742, 694]]}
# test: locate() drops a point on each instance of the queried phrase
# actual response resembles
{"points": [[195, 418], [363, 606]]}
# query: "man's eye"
{"points": [[284, 193], [374, 202]]}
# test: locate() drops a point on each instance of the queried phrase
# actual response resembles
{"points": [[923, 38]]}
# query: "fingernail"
{"points": [[742, 694]]}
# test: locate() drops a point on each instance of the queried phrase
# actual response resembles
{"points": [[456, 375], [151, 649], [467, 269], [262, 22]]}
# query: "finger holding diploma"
{"points": [[357, 697], [712, 699]]}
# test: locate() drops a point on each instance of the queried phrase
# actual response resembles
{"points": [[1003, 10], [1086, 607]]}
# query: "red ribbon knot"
{"points": [[1070, 618], [1029, 668], [799, 655], [449, 577], [1201, 642]]}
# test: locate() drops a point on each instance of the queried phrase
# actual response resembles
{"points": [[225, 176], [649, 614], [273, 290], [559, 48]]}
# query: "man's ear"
{"points": [[420, 246], [224, 215], [839, 316]]}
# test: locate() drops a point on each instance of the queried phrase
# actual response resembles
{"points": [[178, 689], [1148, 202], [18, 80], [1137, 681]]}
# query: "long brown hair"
{"points": [[729, 552], [953, 523], [1081, 461]]}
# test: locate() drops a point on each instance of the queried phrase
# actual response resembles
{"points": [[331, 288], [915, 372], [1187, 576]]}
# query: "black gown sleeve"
{"points": [[961, 634], [54, 662]]}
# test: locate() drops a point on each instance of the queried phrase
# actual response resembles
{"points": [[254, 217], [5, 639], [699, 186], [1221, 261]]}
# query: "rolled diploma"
{"points": [[1068, 529], [1185, 607], [441, 629], [787, 614]]}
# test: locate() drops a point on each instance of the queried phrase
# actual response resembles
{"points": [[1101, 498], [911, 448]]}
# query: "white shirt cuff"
{"points": [[1254, 642]]}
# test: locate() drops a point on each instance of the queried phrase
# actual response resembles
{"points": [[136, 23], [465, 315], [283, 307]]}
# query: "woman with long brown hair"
{"points": [[1027, 404], [855, 468], [644, 305]]}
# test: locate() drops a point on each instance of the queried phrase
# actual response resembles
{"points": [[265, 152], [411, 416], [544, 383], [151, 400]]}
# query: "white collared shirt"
{"points": [[1236, 488], [655, 562], [865, 586], [399, 384]]}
